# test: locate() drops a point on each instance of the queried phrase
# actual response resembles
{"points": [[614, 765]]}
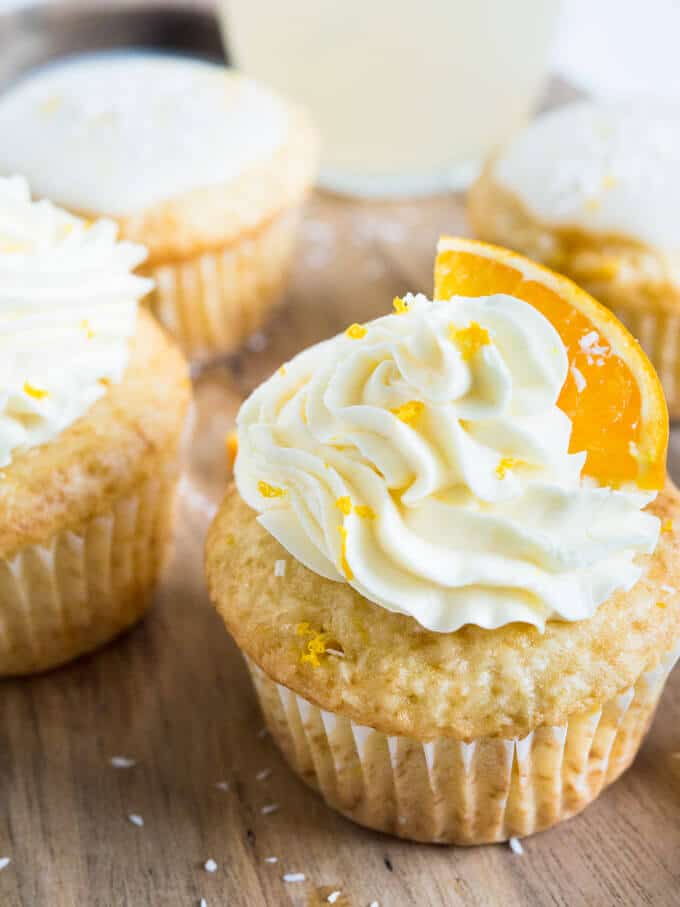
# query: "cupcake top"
{"points": [[128, 131], [68, 307], [603, 168], [422, 459]]}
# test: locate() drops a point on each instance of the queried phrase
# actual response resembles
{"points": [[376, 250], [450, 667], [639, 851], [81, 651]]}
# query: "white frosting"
{"points": [[115, 134], [68, 307], [478, 513], [602, 168]]}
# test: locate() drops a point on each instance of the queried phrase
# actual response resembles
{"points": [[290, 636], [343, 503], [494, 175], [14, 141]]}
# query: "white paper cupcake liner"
{"points": [[82, 588], [212, 302], [451, 791]]}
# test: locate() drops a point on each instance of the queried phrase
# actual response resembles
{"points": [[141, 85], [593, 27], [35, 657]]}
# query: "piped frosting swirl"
{"points": [[423, 459], [68, 307]]}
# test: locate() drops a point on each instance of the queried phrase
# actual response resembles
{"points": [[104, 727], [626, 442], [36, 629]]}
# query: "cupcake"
{"points": [[457, 630], [205, 168], [92, 405], [593, 190]]}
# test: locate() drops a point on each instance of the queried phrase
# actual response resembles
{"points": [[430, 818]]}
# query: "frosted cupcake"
{"points": [[593, 190], [92, 404], [454, 631], [203, 166]]}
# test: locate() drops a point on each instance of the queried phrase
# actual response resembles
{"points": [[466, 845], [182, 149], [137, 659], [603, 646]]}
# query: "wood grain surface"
{"points": [[174, 696]]}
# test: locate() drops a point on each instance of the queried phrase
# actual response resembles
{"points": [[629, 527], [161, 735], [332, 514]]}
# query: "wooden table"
{"points": [[174, 696]]}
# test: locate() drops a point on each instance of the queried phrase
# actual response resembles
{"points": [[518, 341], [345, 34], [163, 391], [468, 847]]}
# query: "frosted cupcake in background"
{"points": [[456, 634], [593, 190], [204, 167], [92, 405]]}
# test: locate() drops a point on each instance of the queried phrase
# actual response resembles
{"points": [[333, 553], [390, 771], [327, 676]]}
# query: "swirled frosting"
{"points": [[422, 458], [68, 306]]}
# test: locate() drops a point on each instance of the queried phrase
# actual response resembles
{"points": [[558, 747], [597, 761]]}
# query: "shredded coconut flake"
{"points": [[4, 862], [293, 877], [203, 903], [264, 774], [335, 652], [589, 340], [222, 785], [122, 762], [333, 896], [136, 820], [271, 859], [270, 808], [668, 589], [516, 846], [579, 379], [210, 866], [374, 904], [280, 568], [257, 342]]}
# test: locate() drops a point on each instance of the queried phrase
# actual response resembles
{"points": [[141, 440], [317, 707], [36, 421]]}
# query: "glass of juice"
{"points": [[409, 95]]}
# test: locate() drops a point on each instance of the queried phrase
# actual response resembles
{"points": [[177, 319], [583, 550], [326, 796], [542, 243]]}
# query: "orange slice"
{"points": [[612, 393]]}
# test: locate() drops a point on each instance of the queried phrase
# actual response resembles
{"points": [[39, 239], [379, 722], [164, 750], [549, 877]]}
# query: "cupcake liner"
{"points": [[452, 791], [212, 302], [659, 335], [70, 595]]}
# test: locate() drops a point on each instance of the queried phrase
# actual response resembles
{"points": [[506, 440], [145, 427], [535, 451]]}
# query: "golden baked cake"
{"points": [[458, 608], [592, 190], [204, 167], [92, 405]]}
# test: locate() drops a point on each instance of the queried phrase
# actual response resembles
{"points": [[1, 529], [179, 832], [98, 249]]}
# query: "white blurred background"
{"points": [[611, 48]]}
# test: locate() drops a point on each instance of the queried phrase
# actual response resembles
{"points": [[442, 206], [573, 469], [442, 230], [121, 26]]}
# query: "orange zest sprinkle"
{"points": [[270, 491], [231, 445], [505, 464], [667, 526], [314, 647], [469, 340], [409, 412], [365, 512], [356, 331], [36, 392], [400, 306], [346, 569], [12, 246], [85, 326], [661, 605], [282, 370], [344, 504]]}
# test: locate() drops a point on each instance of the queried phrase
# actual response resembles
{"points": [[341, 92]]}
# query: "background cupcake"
{"points": [[203, 166], [593, 190], [456, 633], [92, 407]]}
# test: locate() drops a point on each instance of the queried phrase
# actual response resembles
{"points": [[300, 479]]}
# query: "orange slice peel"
{"points": [[612, 394]]}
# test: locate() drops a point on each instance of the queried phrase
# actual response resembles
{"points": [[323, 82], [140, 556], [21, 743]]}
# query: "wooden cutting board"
{"points": [[174, 696]]}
